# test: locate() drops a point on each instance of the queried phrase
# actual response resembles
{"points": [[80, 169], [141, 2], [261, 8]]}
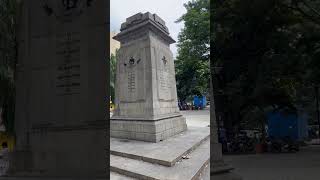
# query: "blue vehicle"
{"points": [[287, 125], [199, 102]]}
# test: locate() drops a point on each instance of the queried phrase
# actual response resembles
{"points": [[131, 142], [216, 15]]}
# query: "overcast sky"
{"points": [[168, 10]]}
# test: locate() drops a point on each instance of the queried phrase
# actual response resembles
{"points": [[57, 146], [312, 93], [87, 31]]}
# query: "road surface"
{"points": [[304, 165]]}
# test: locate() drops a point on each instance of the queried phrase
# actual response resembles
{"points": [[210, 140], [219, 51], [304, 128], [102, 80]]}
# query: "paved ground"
{"points": [[197, 118], [304, 165], [314, 142]]}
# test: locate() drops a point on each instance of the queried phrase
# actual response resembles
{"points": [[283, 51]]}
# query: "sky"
{"points": [[168, 10]]}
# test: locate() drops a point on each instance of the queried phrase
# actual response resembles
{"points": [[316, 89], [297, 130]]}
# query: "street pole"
{"points": [[318, 115]]}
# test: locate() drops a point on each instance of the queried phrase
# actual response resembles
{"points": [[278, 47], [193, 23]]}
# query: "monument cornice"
{"points": [[144, 25], [151, 118]]}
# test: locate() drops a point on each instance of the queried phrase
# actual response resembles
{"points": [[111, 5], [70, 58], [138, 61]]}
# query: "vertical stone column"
{"points": [[146, 105], [21, 158], [216, 155], [218, 168], [61, 90]]}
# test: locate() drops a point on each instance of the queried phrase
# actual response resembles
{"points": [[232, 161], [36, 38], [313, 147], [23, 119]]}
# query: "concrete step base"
{"points": [[116, 176], [186, 169], [166, 152]]}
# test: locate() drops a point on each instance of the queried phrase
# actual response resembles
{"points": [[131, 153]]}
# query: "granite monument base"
{"points": [[147, 130], [20, 161], [181, 157], [68, 153]]}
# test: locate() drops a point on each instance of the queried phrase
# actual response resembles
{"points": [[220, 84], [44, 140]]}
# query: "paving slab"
{"points": [[198, 118], [116, 176], [166, 152], [185, 169], [303, 165]]}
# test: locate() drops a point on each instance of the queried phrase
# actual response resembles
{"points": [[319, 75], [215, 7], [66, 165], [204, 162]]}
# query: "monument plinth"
{"points": [[146, 98], [60, 113]]}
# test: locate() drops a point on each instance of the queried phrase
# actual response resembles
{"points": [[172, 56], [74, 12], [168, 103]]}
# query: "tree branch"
{"points": [[310, 7], [295, 7]]}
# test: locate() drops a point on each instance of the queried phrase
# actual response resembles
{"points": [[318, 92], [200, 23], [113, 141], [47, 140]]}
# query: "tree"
{"points": [[112, 75], [113, 63], [264, 50], [8, 59], [192, 62]]}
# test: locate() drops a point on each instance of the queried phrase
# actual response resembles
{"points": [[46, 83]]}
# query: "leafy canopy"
{"points": [[266, 51], [192, 62]]}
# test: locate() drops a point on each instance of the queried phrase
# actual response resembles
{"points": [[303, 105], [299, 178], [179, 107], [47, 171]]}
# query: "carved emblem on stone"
{"points": [[132, 62], [164, 60], [69, 4], [66, 10]]}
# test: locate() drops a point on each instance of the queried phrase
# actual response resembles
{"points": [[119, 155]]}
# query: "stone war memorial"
{"points": [[61, 90], [149, 136], [146, 97]]}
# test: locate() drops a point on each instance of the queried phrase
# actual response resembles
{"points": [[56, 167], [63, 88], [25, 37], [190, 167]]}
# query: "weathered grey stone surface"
{"points": [[146, 97], [61, 90], [205, 174], [116, 176], [167, 152], [186, 169]]}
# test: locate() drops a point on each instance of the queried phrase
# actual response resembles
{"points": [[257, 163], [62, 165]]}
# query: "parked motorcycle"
{"points": [[289, 145], [240, 144], [275, 145], [285, 144]]}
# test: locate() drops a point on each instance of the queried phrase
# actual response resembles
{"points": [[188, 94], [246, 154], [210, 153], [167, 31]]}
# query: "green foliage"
{"points": [[113, 63], [192, 62], [112, 75], [268, 51], [8, 59]]}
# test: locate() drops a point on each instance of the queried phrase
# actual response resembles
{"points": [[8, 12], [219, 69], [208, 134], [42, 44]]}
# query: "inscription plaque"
{"points": [[68, 65], [163, 78], [131, 81], [61, 89]]}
